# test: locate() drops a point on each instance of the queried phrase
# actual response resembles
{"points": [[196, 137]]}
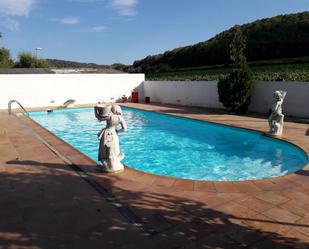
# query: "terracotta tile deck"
{"points": [[47, 204]]}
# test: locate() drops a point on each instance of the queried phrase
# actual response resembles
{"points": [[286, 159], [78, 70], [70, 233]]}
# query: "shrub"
{"points": [[5, 58], [28, 60], [235, 90]]}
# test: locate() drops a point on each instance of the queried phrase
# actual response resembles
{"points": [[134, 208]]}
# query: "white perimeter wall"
{"points": [[204, 93], [194, 93], [37, 90], [296, 102]]}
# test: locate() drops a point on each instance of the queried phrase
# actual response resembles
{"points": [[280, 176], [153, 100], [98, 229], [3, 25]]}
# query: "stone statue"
{"points": [[276, 117], [109, 150]]}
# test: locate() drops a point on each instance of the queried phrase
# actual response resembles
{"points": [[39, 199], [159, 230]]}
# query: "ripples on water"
{"points": [[182, 148]]}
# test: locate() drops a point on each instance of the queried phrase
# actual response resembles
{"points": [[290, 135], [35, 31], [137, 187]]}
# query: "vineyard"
{"points": [[284, 72]]}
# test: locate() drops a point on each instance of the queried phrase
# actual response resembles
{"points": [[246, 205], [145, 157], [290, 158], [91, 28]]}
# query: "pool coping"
{"points": [[246, 186]]}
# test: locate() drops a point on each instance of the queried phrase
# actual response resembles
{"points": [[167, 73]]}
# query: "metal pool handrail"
{"points": [[10, 106]]}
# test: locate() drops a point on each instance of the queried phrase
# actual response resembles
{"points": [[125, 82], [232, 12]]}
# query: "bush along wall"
{"points": [[235, 89]]}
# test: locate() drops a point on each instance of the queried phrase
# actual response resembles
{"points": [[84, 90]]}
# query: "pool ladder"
{"points": [[10, 106]]}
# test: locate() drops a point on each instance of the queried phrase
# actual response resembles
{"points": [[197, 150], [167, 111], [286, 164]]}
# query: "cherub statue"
{"points": [[276, 117], [109, 150]]}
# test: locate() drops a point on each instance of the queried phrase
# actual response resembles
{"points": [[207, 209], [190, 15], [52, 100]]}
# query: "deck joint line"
{"points": [[124, 210]]}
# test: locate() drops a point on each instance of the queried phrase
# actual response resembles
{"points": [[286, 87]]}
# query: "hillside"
{"points": [[73, 64], [283, 36]]}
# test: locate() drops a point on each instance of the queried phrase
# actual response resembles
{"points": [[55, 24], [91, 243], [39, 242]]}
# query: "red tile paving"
{"points": [[47, 204]]}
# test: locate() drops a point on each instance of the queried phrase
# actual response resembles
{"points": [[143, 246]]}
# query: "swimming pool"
{"points": [[178, 147]]}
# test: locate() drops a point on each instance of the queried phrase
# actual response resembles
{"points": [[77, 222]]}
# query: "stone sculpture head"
{"points": [[116, 109], [279, 95], [102, 111]]}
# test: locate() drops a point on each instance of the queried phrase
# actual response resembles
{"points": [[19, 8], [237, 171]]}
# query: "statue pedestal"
{"points": [[114, 165], [277, 126], [116, 169]]}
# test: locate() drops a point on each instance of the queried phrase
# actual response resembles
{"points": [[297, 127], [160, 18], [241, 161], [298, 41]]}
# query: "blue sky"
{"points": [[110, 31]]}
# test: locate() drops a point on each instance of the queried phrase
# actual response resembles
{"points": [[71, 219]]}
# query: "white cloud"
{"points": [[86, 1], [16, 7], [67, 20], [70, 20], [98, 29], [10, 24], [95, 29], [125, 7]]}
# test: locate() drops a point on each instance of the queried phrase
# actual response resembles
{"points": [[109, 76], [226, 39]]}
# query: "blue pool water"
{"points": [[178, 147]]}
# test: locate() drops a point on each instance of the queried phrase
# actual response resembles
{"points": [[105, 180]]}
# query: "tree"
{"points": [[237, 49], [235, 89], [28, 60], [5, 58]]}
